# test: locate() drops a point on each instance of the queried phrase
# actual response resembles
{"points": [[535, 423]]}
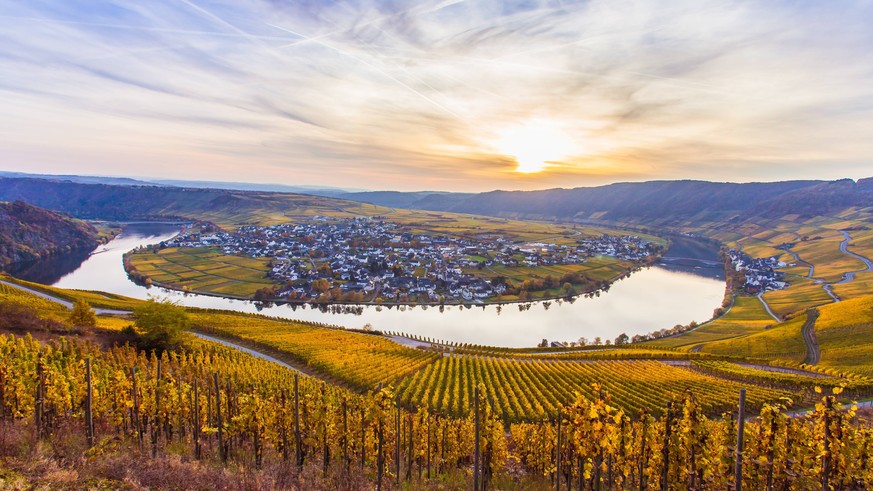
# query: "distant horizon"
{"points": [[160, 180], [455, 95]]}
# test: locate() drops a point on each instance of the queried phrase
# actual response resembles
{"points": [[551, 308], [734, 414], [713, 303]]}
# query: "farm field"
{"points": [[830, 263], [861, 285], [599, 268], [204, 270], [273, 208]]}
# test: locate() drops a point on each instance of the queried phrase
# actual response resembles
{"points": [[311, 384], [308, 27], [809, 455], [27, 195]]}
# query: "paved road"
{"points": [[827, 288], [813, 353], [760, 297], [844, 248], [63, 302], [811, 266], [256, 354]]}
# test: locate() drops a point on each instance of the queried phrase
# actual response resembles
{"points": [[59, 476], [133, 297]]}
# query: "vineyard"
{"points": [[789, 379], [224, 408], [358, 360], [533, 389]]}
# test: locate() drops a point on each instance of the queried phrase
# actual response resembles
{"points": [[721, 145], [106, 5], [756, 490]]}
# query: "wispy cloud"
{"points": [[413, 95]]}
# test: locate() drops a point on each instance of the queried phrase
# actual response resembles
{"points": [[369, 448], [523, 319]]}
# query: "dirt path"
{"points": [[813, 353]]}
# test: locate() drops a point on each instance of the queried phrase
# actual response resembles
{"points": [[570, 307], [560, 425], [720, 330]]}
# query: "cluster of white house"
{"points": [[760, 273], [376, 257]]}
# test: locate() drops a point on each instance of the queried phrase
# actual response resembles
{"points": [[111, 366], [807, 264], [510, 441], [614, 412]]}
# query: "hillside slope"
{"points": [[224, 207], [28, 233], [843, 333], [653, 202]]}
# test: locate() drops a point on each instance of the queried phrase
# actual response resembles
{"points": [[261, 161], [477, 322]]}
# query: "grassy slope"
{"points": [[845, 335], [844, 332], [747, 316], [783, 341], [817, 241], [359, 360]]}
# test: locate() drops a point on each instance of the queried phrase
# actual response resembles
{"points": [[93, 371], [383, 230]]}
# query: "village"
{"points": [[365, 258], [760, 273]]}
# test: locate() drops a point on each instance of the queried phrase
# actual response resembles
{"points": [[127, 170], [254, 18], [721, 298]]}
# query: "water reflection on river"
{"points": [[648, 300]]}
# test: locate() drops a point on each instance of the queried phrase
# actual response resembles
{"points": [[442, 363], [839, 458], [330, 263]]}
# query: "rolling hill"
{"points": [[653, 202]]}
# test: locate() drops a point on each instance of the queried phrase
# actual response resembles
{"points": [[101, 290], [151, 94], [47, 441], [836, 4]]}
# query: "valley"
{"points": [[434, 377]]}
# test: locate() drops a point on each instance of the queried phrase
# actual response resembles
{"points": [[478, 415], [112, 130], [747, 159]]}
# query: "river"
{"points": [[648, 300]]}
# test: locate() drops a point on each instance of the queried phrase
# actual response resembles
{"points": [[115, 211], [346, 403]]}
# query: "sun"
{"points": [[534, 145]]}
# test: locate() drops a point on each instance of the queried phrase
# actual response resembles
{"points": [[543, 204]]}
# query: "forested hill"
{"points": [[224, 207], [28, 232], [656, 202]]}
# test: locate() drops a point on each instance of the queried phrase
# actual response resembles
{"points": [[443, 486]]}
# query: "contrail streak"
{"points": [[374, 67], [435, 8], [138, 28]]}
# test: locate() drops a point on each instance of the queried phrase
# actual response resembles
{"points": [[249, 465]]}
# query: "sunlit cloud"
{"points": [[452, 94]]}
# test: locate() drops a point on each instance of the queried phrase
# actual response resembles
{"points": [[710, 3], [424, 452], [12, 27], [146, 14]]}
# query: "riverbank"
{"points": [[148, 281], [649, 299]]}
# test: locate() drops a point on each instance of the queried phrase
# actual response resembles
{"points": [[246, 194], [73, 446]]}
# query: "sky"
{"points": [[438, 94]]}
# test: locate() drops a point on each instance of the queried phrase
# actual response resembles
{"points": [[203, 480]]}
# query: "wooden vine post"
{"points": [[156, 422], [137, 423], [397, 441], [665, 471], [741, 425], [476, 438], [297, 440], [198, 451], [39, 401], [558, 455], [89, 403], [219, 422]]}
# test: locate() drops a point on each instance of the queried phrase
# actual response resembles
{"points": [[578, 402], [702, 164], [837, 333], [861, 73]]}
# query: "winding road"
{"points": [[811, 266], [844, 248], [760, 297], [813, 353], [65, 303], [255, 353]]}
